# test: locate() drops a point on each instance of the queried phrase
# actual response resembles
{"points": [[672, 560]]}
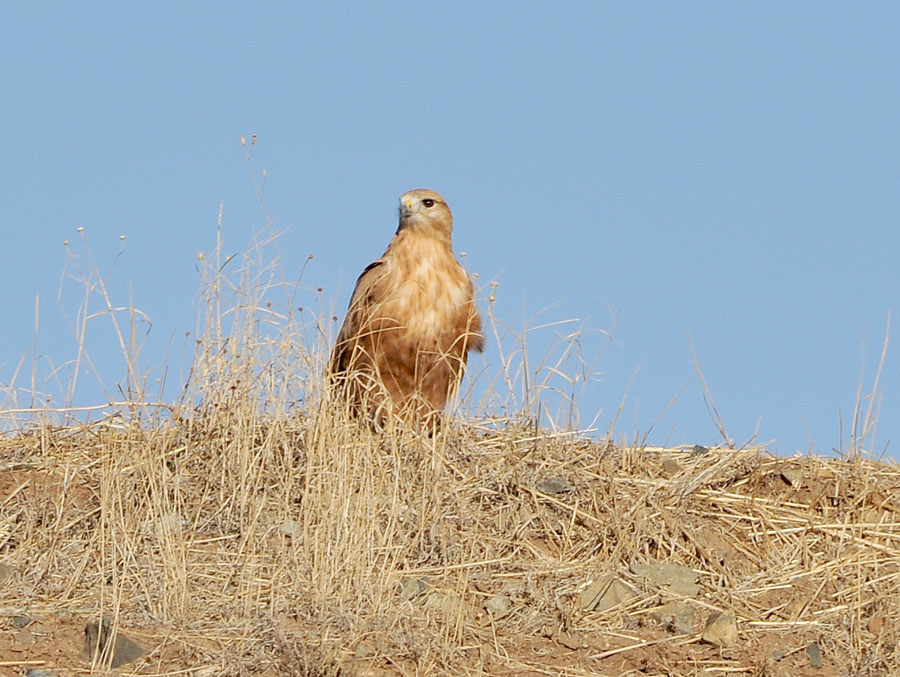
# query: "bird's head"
{"points": [[424, 210]]}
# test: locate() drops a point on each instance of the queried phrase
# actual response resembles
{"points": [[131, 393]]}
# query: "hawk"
{"points": [[411, 321]]}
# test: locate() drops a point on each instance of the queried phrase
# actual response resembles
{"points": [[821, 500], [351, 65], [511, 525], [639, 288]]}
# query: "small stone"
{"points": [[605, 593], [876, 625], [684, 588], [590, 596], [414, 587], [37, 672], [721, 629], [675, 616], [814, 654], [124, 650], [498, 606], [24, 636], [699, 450], [291, 528], [670, 467], [554, 485], [792, 476], [20, 621], [670, 576], [6, 572]]}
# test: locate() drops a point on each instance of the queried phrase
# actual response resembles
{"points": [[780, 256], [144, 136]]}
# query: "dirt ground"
{"points": [[510, 555]]}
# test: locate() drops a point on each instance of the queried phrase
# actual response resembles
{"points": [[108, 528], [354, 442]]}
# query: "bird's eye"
{"points": [[428, 202]]}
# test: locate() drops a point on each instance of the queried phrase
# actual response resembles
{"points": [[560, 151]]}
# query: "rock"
{"points": [[590, 596], [6, 572], [37, 672], [20, 621], [670, 467], [414, 587], [675, 616], [554, 485], [124, 650], [291, 528], [792, 476], [605, 593], [814, 654], [684, 588], [699, 450], [674, 577], [498, 606], [876, 625], [24, 636], [721, 629]]}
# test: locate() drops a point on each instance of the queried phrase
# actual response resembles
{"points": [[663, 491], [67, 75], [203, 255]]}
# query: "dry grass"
{"points": [[250, 528]]}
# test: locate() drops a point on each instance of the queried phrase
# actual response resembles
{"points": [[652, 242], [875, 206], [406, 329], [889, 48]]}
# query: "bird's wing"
{"points": [[358, 310]]}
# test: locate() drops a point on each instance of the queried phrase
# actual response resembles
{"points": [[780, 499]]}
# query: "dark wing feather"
{"points": [[357, 310]]}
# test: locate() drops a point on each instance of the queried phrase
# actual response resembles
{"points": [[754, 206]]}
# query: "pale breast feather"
{"points": [[432, 290]]}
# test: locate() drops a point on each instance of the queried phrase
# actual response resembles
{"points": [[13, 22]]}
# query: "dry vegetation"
{"points": [[250, 528]]}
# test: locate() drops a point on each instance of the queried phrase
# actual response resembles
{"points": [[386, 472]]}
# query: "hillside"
{"points": [[236, 543]]}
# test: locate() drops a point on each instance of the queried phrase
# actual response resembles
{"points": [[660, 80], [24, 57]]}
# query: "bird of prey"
{"points": [[411, 321]]}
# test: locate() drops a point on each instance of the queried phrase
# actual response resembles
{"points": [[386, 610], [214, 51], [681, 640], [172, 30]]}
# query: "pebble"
{"points": [[37, 672], [876, 625], [670, 467], [605, 593], [721, 629], [814, 654], [125, 650], [554, 485], [20, 621], [414, 587], [24, 636], [674, 577], [793, 476], [291, 528], [498, 606]]}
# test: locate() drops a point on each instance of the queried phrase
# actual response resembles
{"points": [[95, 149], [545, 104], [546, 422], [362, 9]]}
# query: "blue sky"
{"points": [[727, 170]]}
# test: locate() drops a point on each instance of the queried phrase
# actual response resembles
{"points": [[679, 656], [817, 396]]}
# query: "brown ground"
{"points": [[268, 547]]}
